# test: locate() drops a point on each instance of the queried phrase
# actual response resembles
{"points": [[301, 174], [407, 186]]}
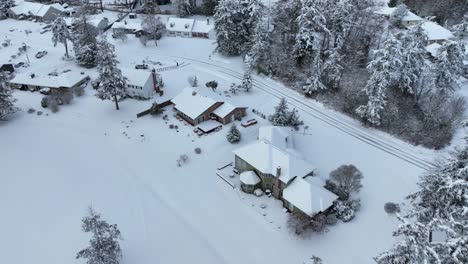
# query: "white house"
{"points": [[128, 26], [41, 12], [436, 33], [187, 27], [409, 19], [32, 81], [142, 84]]}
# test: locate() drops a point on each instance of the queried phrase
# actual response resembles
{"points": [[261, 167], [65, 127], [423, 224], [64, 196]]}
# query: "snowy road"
{"points": [[355, 130]]}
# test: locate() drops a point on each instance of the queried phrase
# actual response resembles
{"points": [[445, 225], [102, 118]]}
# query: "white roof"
{"points": [[224, 110], [136, 77], [34, 9], [277, 136], [388, 11], [266, 158], [201, 26], [180, 24], [435, 31], [249, 178], [67, 80], [308, 197], [433, 49], [128, 24], [191, 103]]}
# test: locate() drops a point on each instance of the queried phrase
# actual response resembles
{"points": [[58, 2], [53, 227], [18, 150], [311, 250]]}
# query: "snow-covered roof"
{"points": [[201, 26], [308, 197], [388, 11], [433, 49], [136, 77], [249, 178], [224, 110], [192, 103], [128, 24], [435, 31], [277, 136], [66, 80], [34, 9], [266, 158], [180, 24]]}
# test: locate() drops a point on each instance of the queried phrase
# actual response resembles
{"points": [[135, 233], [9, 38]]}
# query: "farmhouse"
{"points": [[196, 108], [280, 169], [410, 19], [34, 82], [186, 27], [41, 12], [142, 84]]}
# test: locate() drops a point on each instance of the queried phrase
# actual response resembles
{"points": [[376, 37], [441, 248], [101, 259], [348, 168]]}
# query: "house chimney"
{"points": [[278, 172], [156, 87]]}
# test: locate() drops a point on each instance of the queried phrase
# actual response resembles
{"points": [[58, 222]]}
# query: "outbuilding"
{"points": [[34, 82]]}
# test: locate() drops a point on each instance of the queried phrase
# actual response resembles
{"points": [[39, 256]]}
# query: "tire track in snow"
{"points": [[321, 115]]}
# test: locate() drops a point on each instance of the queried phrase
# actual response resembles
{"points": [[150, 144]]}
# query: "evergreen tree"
{"points": [[294, 119], [183, 8], [154, 27], [6, 99], [314, 81], [461, 30], [151, 7], [209, 7], [397, 16], [233, 135], [281, 115], [84, 42], [247, 80], [413, 54], [260, 52], [449, 66], [312, 29], [104, 245], [332, 68], [5, 5], [112, 83], [60, 33]]}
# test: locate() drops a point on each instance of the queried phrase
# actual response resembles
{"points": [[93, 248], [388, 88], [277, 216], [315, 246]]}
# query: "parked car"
{"points": [[43, 31], [19, 64], [41, 54], [141, 66], [53, 74], [45, 91]]}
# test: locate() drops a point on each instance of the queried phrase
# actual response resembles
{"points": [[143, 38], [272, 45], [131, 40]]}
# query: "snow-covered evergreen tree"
{"points": [[151, 7], [84, 42], [60, 33], [294, 119], [209, 7], [332, 68], [104, 247], [7, 100], [261, 48], [281, 115], [112, 83], [154, 27], [449, 66], [314, 82], [183, 8], [5, 5], [461, 30], [312, 29], [247, 80], [233, 135], [397, 16]]}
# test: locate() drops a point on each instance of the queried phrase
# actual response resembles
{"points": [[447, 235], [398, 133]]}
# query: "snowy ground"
{"points": [[56, 165]]}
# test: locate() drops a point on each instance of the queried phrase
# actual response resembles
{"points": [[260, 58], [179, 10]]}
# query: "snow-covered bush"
{"points": [[182, 160], [44, 102], [284, 117], [346, 210], [391, 208], [331, 219], [198, 150], [316, 260], [234, 88], [171, 126], [233, 135], [67, 97], [303, 225], [193, 81], [212, 84], [31, 110], [53, 105], [79, 91], [39, 113]]}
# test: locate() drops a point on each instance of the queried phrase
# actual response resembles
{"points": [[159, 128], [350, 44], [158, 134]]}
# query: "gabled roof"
{"points": [[277, 136], [180, 24], [249, 178], [201, 26], [128, 24], [266, 158], [435, 31], [388, 11], [308, 197], [136, 77], [34, 9], [191, 103], [433, 49], [66, 80]]}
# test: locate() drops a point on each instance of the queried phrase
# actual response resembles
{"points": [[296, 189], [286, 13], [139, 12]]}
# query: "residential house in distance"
{"points": [[60, 81], [142, 84], [272, 163], [410, 19], [195, 108], [129, 27], [40, 12], [436, 33], [187, 27]]}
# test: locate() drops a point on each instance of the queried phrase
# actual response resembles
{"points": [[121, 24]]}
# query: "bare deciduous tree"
{"points": [[347, 178]]}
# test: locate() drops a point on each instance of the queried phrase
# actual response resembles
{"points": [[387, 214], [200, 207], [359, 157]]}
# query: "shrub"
{"points": [[346, 210], [54, 106], [233, 135], [193, 81], [31, 110], [79, 91], [391, 208], [331, 219], [171, 126], [304, 225], [198, 150], [39, 113], [67, 97], [44, 102], [347, 179]]}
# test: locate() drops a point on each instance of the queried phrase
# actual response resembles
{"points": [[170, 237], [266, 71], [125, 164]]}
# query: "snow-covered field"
{"points": [[55, 165]]}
